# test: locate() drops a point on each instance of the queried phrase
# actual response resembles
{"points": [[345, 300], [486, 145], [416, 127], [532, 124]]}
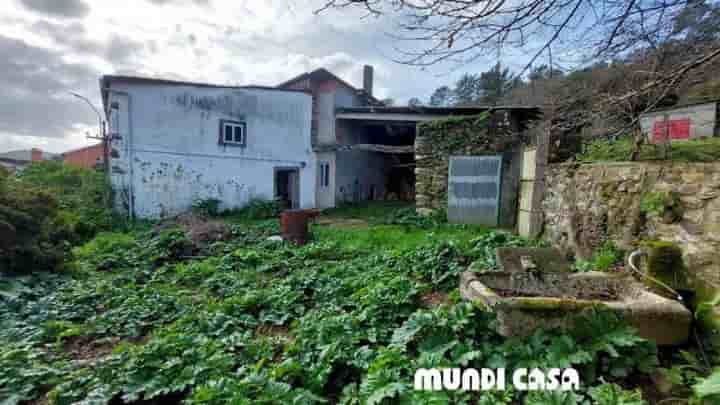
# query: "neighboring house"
{"points": [[313, 141], [19, 159], [89, 157], [682, 122]]}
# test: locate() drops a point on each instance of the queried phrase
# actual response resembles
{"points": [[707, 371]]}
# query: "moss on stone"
{"points": [[665, 263], [551, 304]]}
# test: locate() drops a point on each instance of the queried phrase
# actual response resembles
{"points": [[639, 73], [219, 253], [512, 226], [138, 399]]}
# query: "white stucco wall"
{"points": [[167, 154]]}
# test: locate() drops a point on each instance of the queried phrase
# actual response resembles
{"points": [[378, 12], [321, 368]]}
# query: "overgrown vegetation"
{"points": [[45, 210], [699, 150], [346, 319], [159, 314]]}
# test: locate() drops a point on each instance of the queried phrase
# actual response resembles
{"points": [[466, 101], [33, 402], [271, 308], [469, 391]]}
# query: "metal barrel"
{"points": [[294, 225]]}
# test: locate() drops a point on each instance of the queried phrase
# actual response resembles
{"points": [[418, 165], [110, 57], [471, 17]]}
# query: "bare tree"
{"points": [[657, 42], [465, 30]]}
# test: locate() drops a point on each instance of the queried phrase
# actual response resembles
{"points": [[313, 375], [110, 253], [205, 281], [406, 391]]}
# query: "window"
{"points": [[233, 133], [324, 174]]}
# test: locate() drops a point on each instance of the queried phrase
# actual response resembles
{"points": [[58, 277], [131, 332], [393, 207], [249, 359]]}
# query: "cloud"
{"points": [[236, 42], [164, 2], [58, 8], [35, 84]]}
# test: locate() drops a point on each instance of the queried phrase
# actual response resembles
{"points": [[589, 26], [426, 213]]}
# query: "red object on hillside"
{"points": [[679, 129], [294, 225], [36, 155], [88, 157]]}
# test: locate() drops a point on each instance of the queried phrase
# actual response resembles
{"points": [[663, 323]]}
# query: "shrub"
{"points": [[208, 207], [409, 216], [258, 209], [32, 234], [83, 195], [46, 209], [603, 259]]}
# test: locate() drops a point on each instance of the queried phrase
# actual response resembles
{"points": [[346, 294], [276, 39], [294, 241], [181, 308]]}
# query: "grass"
{"points": [[394, 237], [373, 211], [700, 150]]}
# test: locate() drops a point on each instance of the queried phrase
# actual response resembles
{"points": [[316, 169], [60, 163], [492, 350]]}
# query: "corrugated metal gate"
{"points": [[474, 189]]}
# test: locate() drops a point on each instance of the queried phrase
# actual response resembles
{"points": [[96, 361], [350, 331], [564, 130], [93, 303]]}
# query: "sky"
{"points": [[50, 48]]}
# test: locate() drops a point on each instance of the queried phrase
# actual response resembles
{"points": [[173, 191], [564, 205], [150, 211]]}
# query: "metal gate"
{"points": [[474, 189]]}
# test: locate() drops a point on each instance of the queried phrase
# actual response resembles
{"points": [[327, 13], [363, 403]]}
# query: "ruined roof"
{"points": [[466, 110], [417, 114]]}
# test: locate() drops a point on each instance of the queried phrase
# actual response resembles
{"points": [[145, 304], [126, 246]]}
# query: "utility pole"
{"points": [[101, 131]]}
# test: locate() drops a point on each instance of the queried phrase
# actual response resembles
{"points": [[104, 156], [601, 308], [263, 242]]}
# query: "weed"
{"points": [[604, 259], [208, 207]]}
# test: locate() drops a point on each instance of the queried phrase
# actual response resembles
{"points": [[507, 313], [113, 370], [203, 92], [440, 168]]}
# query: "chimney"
{"points": [[368, 79], [36, 155]]}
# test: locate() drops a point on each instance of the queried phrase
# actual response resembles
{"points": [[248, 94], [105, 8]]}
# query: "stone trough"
{"points": [[527, 299]]}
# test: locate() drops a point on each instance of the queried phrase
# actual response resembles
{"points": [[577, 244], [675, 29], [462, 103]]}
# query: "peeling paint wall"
{"points": [[166, 153]]}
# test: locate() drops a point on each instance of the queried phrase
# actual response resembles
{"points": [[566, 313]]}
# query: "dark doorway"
{"points": [[287, 187]]}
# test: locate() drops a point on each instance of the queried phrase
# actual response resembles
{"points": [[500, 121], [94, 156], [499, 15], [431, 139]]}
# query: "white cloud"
{"points": [[217, 41]]}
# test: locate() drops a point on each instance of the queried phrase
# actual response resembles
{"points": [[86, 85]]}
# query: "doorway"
{"points": [[287, 187]]}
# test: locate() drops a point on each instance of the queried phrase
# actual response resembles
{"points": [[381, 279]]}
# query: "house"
{"points": [[90, 157], [19, 159], [314, 141], [681, 122]]}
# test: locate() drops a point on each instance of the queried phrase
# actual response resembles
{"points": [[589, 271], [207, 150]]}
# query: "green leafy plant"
{"points": [[257, 209], [208, 207], [603, 259], [708, 388], [252, 321], [613, 394]]}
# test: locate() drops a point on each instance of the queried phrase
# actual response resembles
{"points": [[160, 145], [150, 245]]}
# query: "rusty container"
{"points": [[294, 225]]}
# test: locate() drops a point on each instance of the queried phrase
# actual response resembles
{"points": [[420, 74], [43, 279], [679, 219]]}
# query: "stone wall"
{"points": [[585, 205], [494, 134]]}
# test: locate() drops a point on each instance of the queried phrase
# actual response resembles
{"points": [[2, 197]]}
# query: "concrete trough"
{"points": [[526, 301]]}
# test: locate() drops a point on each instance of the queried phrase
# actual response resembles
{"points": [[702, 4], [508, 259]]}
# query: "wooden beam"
{"points": [[404, 149]]}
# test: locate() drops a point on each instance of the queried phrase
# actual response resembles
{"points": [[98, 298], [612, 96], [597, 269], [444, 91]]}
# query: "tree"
{"points": [[658, 43], [464, 31], [496, 84], [468, 90], [415, 102], [442, 97]]}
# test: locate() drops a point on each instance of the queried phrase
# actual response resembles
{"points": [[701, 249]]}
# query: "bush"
{"points": [[258, 209], [409, 216], [32, 234], [83, 195], [208, 207], [46, 209], [607, 256]]}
